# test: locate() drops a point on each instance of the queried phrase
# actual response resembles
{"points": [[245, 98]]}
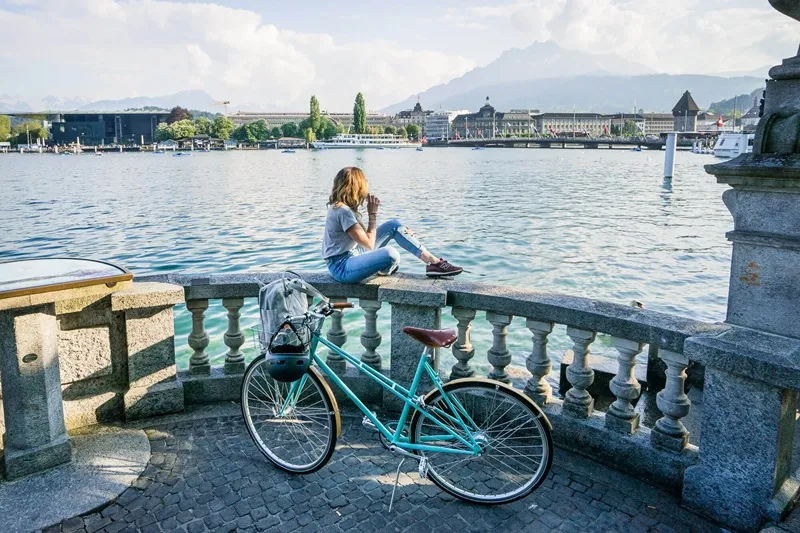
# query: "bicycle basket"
{"points": [[284, 343]]}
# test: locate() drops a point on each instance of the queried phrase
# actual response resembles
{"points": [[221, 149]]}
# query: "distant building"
{"points": [[438, 124], [276, 120], [480, 124], [518, 122], [121, 127], [707, 121], [684, 114], [658, 123], [750, 119], [417, 116], [568, 124]]}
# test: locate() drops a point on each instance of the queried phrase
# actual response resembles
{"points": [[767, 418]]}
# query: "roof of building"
{"points": [[685, 104], [755, 111]]}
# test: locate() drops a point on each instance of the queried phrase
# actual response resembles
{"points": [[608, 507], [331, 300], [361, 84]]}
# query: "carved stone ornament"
{"points": [[790, 68]]}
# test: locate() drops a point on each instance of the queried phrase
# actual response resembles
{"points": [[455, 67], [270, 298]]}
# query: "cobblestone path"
{"points": [[207, 475]]}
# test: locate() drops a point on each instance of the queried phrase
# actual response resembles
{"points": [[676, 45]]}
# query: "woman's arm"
{"points": [[356, 231]]}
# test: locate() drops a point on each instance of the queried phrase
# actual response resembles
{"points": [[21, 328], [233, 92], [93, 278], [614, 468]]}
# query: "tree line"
{"points": [[20, 133]]}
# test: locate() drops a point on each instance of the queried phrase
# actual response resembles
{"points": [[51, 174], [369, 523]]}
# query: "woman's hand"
{"points": [[373, 203]]}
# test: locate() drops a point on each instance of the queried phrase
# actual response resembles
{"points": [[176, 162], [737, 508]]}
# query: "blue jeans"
{"points": [[359, 264]]}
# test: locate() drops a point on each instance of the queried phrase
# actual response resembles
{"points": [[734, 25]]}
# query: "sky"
{"points": [[253, 52]]}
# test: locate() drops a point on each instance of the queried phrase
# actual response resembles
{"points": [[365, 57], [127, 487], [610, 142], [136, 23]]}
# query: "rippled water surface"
{"points": [[596, 223]]}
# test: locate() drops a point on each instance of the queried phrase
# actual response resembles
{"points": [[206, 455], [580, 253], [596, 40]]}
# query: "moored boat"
{"points": [[733, 145], [358, 140]]}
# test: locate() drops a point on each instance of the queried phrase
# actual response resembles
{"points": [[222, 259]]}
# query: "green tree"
{"points": [[289, 129], [413, 131], [327, 129], [5, 127], [402, 132], [25, 130], [178, 113], [615, 130], [390, 130], [260, 129], [309, 135], [163, 132], [202, 126], [276, 132], [360, 114], [630, 129], [182, 129], [314, 114], [222, 127]]}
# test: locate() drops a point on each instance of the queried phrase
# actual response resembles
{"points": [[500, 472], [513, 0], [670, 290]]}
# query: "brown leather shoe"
{"points": [[442, 269]]}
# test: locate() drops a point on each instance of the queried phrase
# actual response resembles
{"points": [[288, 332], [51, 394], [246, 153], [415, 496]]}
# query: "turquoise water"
{"points": [[596, 223]]}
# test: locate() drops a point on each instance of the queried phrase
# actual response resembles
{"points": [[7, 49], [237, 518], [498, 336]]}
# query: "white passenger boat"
{"points": [[734, 144], [363, 140]]}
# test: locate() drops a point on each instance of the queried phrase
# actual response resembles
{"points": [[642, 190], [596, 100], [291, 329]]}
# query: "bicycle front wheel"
{"points": [[512, 432], [298, 434]]}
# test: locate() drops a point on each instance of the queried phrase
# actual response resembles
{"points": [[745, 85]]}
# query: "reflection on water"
{"points": [[603, 224]]}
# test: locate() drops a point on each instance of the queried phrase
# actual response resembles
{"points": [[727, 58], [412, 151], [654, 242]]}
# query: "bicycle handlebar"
{"points": [[342, 305]]}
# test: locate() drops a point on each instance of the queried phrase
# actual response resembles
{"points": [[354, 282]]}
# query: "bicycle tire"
{"points": [[259, 391], [529, 413]]}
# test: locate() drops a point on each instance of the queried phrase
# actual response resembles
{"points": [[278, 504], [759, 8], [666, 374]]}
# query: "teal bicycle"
{"points": [[480, 440]]}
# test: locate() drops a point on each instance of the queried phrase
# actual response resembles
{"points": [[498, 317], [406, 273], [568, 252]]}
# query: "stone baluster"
{"points": [[234, 338], [578, 402], [621, 415], [338, 336], [370, 338], [669, 432], [498, 355], [198, 338], [462, 348], [538, 362]]}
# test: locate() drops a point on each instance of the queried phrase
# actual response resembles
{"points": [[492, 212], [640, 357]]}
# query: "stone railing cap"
{"points": [[765, 357], [408, 289], [147, 294]]}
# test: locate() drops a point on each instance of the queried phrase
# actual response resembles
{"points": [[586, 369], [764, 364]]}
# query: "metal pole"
{"points": [[669, 157]]}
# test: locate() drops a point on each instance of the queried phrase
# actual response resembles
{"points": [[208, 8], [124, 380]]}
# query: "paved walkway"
{"points": [[206, 475]]}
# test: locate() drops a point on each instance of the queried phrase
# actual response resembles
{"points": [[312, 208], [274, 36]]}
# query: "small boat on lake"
{"points": [[636, 149], [160, 152], [419, 149], [734, 144], [287, 151], [182, 154]]}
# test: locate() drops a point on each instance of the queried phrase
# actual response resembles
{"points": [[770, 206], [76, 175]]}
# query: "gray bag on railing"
{"points": [[276, 302]]}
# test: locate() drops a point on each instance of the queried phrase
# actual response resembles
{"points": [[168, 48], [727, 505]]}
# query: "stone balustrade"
{"points": [[613, 434]]}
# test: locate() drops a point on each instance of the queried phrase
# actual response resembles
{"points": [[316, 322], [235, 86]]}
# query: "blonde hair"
{"points": [[349, 188]]}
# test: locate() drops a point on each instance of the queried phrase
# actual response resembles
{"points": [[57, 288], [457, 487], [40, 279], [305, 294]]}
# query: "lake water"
{"points": [[596, 223]]}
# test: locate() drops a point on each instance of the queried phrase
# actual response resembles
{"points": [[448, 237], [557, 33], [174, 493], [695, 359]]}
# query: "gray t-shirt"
{"points": [[336, 241]]}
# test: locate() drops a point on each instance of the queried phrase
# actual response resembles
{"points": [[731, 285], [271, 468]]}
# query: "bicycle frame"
{"points": [[411, 402]]}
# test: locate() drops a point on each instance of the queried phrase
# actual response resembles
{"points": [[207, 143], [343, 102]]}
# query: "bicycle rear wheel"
{"points": [[513, 433], [298, 438]]}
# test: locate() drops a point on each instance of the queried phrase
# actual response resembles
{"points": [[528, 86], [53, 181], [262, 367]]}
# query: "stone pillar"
{"points": [[498, 355], [621, 415], [669, 432], [419, 308], [742, 479], [36, 437], [462, 348], [198, 338], [146, 309], [370, 338], [538, 363], [234, 338], [748, 405], [338, 336], [578, 402]]}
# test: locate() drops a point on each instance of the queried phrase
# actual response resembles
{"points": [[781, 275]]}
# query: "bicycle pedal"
{"points": [[367, 423]]}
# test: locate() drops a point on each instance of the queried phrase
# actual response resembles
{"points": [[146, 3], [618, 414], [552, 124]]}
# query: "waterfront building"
{"points": [[438, 125], [750, 119], [568, 124], [276, 120], [118, 127], [684, 114], [417, 116], [657, 123], [518, 122]]}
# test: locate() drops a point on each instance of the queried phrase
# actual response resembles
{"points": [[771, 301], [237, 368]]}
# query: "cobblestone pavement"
{"points": [[207, 475]]}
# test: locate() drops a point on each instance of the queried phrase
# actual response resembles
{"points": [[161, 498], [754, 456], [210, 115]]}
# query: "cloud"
{"points": [[113, 49]]}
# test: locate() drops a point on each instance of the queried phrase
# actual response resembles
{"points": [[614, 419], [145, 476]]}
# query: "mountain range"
{"points": [[195, 99], [548, 77], [542, 76]]}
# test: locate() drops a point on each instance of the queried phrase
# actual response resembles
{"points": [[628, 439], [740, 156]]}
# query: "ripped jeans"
{"points": [[359, 264]]}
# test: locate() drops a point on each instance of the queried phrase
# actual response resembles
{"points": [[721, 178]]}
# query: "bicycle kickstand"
{"points": [[396, 479]]}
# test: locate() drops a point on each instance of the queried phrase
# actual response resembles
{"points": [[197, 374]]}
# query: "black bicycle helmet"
{"points": [[287, 357]]}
